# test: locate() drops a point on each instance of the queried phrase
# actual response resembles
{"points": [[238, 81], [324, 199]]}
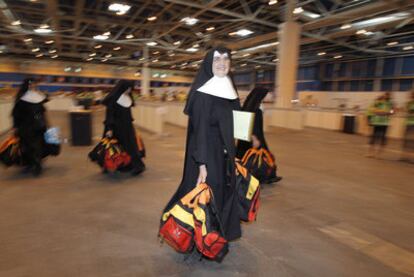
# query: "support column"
{"points": [[146, 75], [288, 54]]}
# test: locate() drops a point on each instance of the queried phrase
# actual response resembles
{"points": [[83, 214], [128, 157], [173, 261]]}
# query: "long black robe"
{"points": [[210, 141], [30, 122], [119, 120]]}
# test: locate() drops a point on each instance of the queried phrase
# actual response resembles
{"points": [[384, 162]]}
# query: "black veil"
{"points": [[23, 89], [254, 99], [117, 91]]}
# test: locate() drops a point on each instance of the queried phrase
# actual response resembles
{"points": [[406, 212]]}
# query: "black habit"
{"points": [[210, 142]]}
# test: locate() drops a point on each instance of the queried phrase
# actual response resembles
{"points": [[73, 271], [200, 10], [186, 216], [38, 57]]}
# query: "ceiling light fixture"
{"points": [[192, 49], [171, 54], [42, 31], [49, 41], [243, 64], [298, 10], [35, 49], [152, 18], [156, 52], [27, 39], [79, 69], [360, 32], [98, 46], [89, 59], [117, 48], [16, 23], [242, 33], [177, 42], [321, 53], [52, 51], [129, 36], [101, 37], [151, 43], [39, 55], [210, 28], [154, 61], [190, 21], [119, 9], [392, 43], [272, 2], [92, 55], [54, 56], [104, 60], [44, 26], [410, 47], [346, 26], [338, 57], [108, 56]]}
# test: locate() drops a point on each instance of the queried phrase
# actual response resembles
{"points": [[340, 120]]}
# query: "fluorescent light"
{"points": [[346, 26], [101, 37], [298, 10], [360, 32], [272, 2], [369, 33], [171, 54], [173, 66], [98, 46], [410, 47], [44, 26], [35, 49], [67, 69], [275, 60], [196, 45], [137, 73], [156, 52], [154, 61], [191, 49], [89, 59], [92, 55], [190, 21], [54, 56], [152, 18], [16, 23], [79, 69], [246, 55], [108, 56], [117, 48], [392, 43], [107, 33], [27, 39], [42, 31], [244, 64], [233, 52], [338, 57], [119, 8], [141, 59], [311, 14], [129, 36], [52, 51], [49, 41], [210, 28], [199, 34], [39, 55], [151, 43], [321, 53], [156, 75], [241, 33], [184, 64], [104, 60], [177, 42], [163, 75]]}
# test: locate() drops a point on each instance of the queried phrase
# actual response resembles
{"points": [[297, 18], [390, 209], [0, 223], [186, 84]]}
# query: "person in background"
{"points": [[30, 124], [379, 118], [253, 104], [118, 122], [408, 144]]}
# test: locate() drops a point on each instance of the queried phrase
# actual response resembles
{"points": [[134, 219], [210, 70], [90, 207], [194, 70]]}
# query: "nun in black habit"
{"points": [[252, 104], [30, 124], [210, 147], [118, 122]]}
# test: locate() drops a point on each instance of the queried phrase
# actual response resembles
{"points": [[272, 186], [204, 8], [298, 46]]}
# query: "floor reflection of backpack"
{"points": [[260, 163]]}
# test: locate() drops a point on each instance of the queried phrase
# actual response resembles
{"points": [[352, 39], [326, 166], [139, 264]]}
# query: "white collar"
{"points": [[220, 87], [125, 100], [33, 96]]}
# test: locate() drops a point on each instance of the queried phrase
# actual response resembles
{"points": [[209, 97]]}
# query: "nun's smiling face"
{"points": [[221, 64]]}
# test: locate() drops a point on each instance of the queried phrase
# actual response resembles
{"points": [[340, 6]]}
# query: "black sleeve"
{"points": [[17, 115], [200, 118], [109, 117]]}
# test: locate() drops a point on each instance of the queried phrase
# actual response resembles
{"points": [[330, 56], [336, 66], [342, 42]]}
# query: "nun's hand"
{"points": [[109, 134], [202, 175]]}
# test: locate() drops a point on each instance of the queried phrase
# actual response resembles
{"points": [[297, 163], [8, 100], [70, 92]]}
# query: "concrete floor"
{"points": [[336, 213]]}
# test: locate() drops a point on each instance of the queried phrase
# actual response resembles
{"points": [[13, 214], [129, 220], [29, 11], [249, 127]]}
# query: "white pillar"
{"points": [[146, 75], [287, 67]]}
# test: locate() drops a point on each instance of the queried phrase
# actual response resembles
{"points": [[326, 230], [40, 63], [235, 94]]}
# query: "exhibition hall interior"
{"points": [[207, 138]]}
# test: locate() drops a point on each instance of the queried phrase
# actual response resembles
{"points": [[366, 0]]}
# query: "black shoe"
{"points": [[275, 180], [37, 170], [137, 170]]}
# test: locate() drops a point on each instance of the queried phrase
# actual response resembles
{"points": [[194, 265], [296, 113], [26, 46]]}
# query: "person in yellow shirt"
{"points": [[379, 118]]}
